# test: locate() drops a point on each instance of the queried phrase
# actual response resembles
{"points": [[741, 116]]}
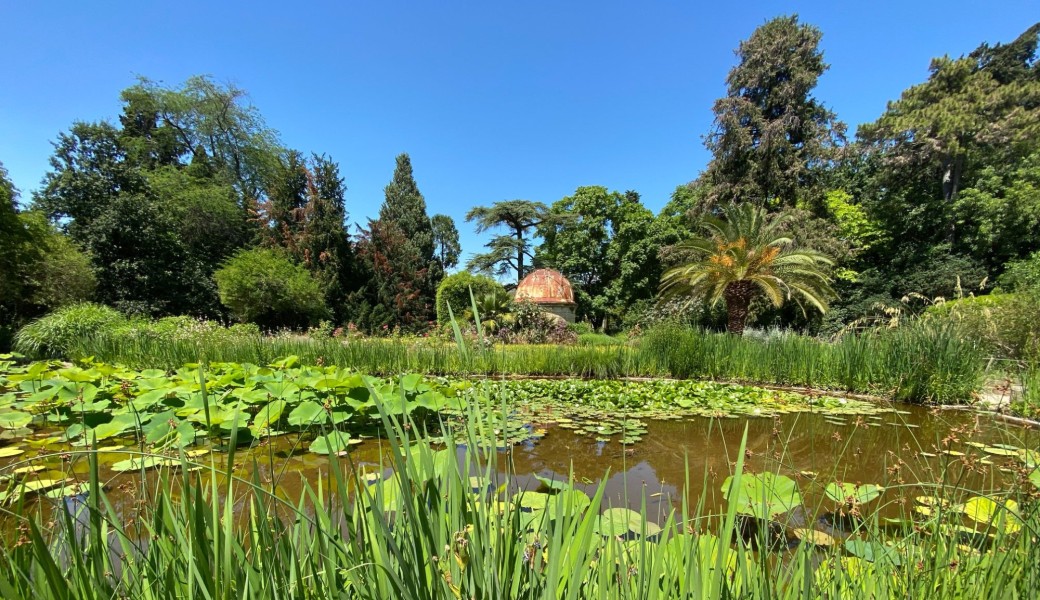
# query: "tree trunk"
{"points": [[738, 298], [519, 255]]}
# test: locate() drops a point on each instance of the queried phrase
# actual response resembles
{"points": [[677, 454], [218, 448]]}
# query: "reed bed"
{"points": [[925, 362]]}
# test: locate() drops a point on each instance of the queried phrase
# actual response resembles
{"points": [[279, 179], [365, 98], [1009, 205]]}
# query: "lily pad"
{"points": [[814, 537], [763, 495], [847, 493], [335, 442]]}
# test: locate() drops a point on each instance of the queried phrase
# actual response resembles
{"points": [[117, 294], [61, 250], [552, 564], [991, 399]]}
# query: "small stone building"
{"points": [[550, 290]]}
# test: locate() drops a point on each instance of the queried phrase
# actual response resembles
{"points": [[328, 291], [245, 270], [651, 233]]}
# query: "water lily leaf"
{"points": [[847, 493], [410, 381], [118, 425], [40, 485], [268, 415], [9, 451], [986, 510], [814, 537], [143, 462], [568, 502], [1001, 451], [620, 521], [335, 442], [873, 551], [763, 495], [14, 419], [532, 500], [282, 389], [552, 484], [308, 413]]}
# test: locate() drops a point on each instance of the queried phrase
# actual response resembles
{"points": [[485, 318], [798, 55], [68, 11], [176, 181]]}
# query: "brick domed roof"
{"points": [[545, 286]]}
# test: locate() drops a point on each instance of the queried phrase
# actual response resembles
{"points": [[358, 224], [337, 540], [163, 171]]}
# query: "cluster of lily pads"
{"points": [[608, 410], [94, 402], [764, 498]]}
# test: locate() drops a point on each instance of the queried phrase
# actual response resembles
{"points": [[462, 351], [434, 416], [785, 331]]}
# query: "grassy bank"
{"points": [[436, 527]]}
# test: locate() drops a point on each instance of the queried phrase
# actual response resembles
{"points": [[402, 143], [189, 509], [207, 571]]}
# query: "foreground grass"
{"points": [[928, 362], [437, 527]]}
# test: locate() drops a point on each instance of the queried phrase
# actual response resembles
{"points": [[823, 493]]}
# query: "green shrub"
{"points": [[454, 290], [53, 335], [1005, 324], [263, 286], [581, 328]]}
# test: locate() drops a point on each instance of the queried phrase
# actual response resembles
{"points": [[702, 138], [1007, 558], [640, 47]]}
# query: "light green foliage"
{"points": [[746, 254], [214, 123], [852, 219], [54, 335], [62, 273], [1004, 324], [263, 286], [1000, 213], [771, 136], [455, 290]]}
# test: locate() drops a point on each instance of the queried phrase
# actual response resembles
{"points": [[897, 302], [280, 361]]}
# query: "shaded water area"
{"points": [[896, 450]]}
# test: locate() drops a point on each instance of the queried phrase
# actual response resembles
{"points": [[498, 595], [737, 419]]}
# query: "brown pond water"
{"points": [[891, 449]]}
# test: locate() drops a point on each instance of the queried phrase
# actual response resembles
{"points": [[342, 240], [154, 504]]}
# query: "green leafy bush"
{"points": [[581, 328], [263, 286], [1005, 324], [454, 290], [53, 335]]}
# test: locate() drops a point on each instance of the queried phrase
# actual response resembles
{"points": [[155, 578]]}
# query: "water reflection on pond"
{"points": [[696, 454]]}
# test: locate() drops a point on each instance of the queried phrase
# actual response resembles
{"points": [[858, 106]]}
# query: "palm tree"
{"points": [[743, 254]]}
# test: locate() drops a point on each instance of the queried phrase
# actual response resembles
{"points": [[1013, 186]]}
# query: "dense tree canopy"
{"points": [[605, 243], [772, 139], [937, 197]]}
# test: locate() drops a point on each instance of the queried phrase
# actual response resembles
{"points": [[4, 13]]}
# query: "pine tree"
{"points": [[325, 242], [771, 136], [287, 198], [400, 250]]}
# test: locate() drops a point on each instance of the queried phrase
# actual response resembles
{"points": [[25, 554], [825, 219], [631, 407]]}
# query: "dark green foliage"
{"points": [[454, 290], [161, 202], [60, 274], [263, 286], [13, 240], [287, 199], [445, 241], [772, 138], [397, 259], [606, 244], [325, 242]]}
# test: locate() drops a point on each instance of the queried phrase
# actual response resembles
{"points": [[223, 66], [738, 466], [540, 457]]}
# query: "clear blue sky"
{"points": [[493, 100]]}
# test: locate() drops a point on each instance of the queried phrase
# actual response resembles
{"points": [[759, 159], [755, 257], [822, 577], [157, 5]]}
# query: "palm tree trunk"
{"points": [[738, 298]]}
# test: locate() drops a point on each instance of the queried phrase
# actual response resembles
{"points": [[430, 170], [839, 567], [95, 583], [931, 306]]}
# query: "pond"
{"points": [[645, 442]]}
